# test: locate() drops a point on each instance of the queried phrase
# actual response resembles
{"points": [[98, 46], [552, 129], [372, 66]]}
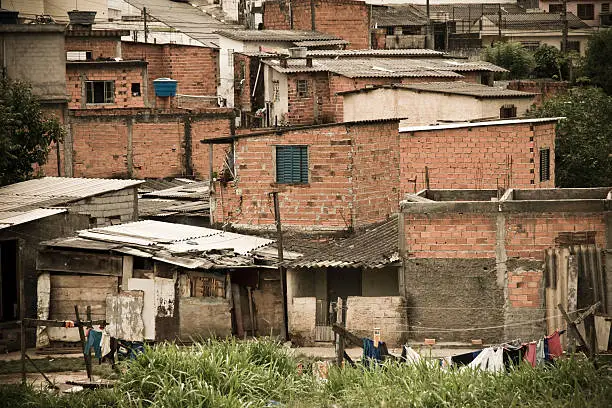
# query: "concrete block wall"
{"points": [[202, 317], [388, 313], [110, 208], [302, 318], [478, 157], [100, 47], [347, 19], [122, 74]]}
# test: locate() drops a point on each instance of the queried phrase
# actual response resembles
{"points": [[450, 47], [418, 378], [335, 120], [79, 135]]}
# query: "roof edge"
{"points": [[478, 124]]}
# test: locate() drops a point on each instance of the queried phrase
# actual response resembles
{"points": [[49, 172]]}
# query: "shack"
{"points": [[195, 282]]}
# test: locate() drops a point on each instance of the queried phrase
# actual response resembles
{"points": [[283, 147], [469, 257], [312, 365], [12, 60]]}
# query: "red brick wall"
{"points": [[524, 289], [349, 183], [314, 108], [123, 76], [545, 89], [242, 93], [100, 47], [196, 69], [100, 143], [478, 157], [347, 19]]}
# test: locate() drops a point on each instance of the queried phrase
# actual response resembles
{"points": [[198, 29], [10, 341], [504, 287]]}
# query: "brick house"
{"points": [[348, 175], [456, 265], [304, 91], [347, 19], [435, 102]]}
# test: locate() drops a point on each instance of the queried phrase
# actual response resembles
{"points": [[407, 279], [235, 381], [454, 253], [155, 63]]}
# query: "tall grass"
{"points": [[259, 373]]}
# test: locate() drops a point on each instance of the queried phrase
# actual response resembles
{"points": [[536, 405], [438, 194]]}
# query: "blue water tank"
{"points": [[164, 87]]}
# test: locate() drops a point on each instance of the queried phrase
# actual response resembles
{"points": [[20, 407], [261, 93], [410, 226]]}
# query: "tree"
{"points": [[512, 56], [25, 134], [583, 145], [598, 61], [550, 63]]}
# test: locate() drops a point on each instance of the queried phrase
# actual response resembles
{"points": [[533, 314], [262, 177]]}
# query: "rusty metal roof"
{"points": [[276, 35], [376, 247]]}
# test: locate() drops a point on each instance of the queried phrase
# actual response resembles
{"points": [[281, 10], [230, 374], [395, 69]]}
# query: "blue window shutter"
{"points": [[303, 164], [291, 164]]}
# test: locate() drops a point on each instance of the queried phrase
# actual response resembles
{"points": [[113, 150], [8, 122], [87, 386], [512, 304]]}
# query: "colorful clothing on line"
{"points": [[553, 343], [93, 341], [531, 354]]}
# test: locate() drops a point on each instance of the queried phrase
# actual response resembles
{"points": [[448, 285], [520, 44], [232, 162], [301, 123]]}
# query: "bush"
{"points": [[550, 63], [512, 56], [598, 61]]}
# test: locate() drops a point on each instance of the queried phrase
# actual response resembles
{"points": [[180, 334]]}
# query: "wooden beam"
{"points": [[86, 355], [348, 336], [60, 323], [79, 262], [572, 326]]}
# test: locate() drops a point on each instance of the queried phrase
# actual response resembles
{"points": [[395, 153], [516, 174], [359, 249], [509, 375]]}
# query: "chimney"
{"points": [[309, 62], [283, 62]]}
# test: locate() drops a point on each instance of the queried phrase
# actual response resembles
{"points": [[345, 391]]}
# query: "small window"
{"points": [[573, 46], [100, 91], [292, 164], [206, 287], [302, 88], [136, 89], [230, 57], [390, 31], [507, 111], [586, 11], [275, 91], [544, 164], [555, 8], [530, 45], [79, 56], [605, 8]]}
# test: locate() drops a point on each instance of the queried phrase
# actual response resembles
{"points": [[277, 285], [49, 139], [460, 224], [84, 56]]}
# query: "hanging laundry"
{"points": [[93, 341], [105, 344], [512, 355], [554, 345], [531, 354], [466, 358], [490, 359], [540, 354], [410, 356], [371, 353]]}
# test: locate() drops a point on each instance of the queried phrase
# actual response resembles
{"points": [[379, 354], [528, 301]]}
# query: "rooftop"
{"points": [[375, 247], [188, 197], [478, 124], [398, 15], [411, 52], [276, 35], [536, 21], [454, 88]]}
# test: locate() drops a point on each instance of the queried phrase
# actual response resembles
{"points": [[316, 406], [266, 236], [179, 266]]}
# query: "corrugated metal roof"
{"points": [[536, 21], [374, 248], [275, 35], [478, 124], [467, 89], [197, 190], [49, 191], [398, 15], [12, 218], [417, 52], [151, 185], [319, 43]]}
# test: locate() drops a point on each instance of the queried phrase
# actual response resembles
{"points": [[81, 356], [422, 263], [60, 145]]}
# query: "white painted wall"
{"points": [[281, 106], [226, 68], [424, 108]]}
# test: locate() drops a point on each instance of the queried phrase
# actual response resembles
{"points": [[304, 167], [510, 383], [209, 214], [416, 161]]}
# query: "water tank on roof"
{"points": [[164, 87], [8, 16], [82, 18]]}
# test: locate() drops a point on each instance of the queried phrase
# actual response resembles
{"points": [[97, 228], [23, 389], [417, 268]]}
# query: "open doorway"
{"points": [[9, 291]]}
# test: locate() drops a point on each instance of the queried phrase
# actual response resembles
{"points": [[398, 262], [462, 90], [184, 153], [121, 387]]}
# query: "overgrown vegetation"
{"points": [[584, 139], [598, 60], [513, 56], [261, 373], [25, 134]]}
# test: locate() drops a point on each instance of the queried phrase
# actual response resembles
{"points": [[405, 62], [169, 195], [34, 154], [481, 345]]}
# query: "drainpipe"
{"points": [[312, 16]]}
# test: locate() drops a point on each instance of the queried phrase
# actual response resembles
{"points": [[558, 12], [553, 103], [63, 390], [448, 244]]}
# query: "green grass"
{"points": [[53, 365], [252, 374]]}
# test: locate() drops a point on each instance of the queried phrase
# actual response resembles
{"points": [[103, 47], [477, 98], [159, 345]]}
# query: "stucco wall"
{"points": [[388, 313]]}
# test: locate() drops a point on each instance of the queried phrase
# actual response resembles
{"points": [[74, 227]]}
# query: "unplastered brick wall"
{"points": [[196, 69], [347, 19], [100, 47], [142, 143], [353, 178], [315, 106], [109, 208], [544, 89], [122, 74], [490, 156]]}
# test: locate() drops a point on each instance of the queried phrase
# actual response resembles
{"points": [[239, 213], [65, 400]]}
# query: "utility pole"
{"points": [[429, 34], [281, 267], [499, 22], [146, 30], [564, 32]]}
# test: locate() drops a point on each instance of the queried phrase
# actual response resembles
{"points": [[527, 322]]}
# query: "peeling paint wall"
{"points": [[124, 315]]}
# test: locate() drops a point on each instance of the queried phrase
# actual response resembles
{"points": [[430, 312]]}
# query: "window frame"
{"points": [[544, 161], [108, 95], [607, 7], [304, 92], [559, 7], [584, 15], [508, 108], [299, 152]]}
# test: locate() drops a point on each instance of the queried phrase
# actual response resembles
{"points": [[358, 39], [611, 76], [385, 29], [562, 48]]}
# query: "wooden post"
{"points": [[22, 306], [281, 268], [339, 339], [251, 315], [572, 326], [146, 30], [83, 342]]}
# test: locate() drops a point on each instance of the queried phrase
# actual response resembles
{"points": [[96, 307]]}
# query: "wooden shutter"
{"points": [[291, 164]]}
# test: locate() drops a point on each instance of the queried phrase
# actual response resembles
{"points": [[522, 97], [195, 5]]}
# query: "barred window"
{"points": [[302, 88], [545, 164]]}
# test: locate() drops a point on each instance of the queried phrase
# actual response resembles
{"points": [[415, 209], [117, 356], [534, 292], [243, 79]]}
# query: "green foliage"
{"points": [[257, 373], [550, 63], [512, 56], [598, 61], [584, 140], [25, 135]]}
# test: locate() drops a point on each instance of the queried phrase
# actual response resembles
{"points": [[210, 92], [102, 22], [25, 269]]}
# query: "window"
{"points": [[545, 164], [206, 287], [573, 46], [302, 88], [507, 111], [136, 89], [100, 91], [390, 30], [292, 164], [605, 8], [79, 56], [230, 57], [530, 45], [586, 11], [275, 91], [555, 8]]}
